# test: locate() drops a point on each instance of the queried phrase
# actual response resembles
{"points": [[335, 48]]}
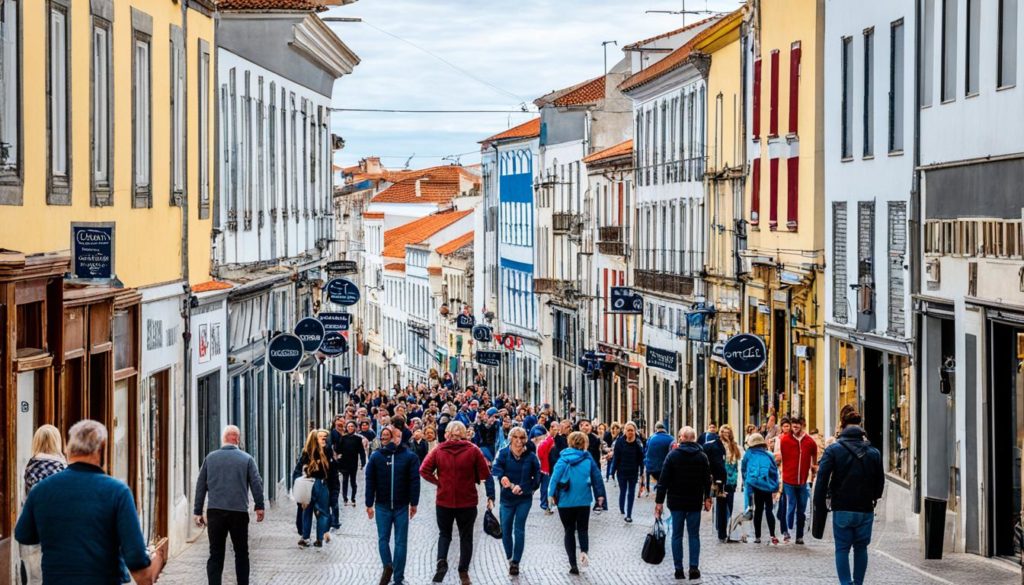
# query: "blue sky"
{"points": [[524, 47]]}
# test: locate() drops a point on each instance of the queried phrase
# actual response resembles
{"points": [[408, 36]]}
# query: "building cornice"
{"points": [[317, 41]]}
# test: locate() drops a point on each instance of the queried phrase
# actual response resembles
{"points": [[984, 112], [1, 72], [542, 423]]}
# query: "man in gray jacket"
{"points": [[228, 475]]}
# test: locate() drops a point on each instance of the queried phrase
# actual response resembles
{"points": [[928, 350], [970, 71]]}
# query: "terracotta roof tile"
{"points": [[529, 129], [398, 266], [373, 215], [456, 244], [396, 239], [691, 26], [437, 185], [261, 5], [620, 149], [588, 92], [679, 57], [211, 285]]}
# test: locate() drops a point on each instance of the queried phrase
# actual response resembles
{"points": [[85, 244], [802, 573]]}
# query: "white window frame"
{"points": [[178, 152], [58, 109], [10, 104], [102, 170], [142, 131]]}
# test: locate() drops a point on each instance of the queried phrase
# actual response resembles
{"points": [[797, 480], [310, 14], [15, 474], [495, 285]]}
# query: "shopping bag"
{"points": [[818, 518], [654, 545], [302, 490], [491, 525]]}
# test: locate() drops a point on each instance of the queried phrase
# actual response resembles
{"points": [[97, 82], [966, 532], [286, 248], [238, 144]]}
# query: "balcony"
{"points": [[611, 240], [663, 282], [565, 223], [552, 286]]}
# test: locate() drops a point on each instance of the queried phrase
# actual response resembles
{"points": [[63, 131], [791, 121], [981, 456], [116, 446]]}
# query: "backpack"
{"points": [[762, 474]]}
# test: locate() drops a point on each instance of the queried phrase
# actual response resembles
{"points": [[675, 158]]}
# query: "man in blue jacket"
{"points": [[392, 494], [658, 447]]}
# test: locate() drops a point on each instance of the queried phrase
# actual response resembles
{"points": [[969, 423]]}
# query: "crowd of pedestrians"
{"points": [[458, 439]]}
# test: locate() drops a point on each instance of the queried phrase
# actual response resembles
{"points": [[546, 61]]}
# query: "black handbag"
{"points": [[654, 545], [491, 525]]}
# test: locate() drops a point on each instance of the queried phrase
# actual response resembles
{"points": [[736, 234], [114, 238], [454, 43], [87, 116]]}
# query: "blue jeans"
{"points": [[610, 468], [691, 520], [780, 513], [513, 528], [544, 479], [318, 503], [852, 529], [796, 497], [335, 516], [386, 519], [627, 495]]}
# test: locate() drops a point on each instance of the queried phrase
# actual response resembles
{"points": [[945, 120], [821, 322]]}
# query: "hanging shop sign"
{"points": [[745, 353], [464, 321], [311, 332], [342, 266], [342, 291], [334, 344], [662, 359], [336, 321], [625, 300], [284, 352], [482, 333], [488, 358], [509, 341], [341, 383], [92, 251], [697, 325]]}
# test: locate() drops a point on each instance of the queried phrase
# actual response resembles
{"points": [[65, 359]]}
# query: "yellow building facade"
{"points": [[783, 263]]}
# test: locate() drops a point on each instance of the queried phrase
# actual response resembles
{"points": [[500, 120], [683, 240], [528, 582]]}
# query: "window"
{"points": [[899, 415], [756, 101], [865, 257], [773, 113], [847, 97], [869, 92], [177, 68], [896, 91], [141, 123], [1007, 66], [927, 53], [59, 192], [272, 153], [260, 157], [102, 114], [755, 191], [10, 97], [204, 129], [949, 15], [245, 153], [839, 281], [897, 256], [794, 86], [973, 46]]}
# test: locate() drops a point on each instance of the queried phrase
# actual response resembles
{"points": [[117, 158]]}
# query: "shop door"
{"points": [[780, 358], [208, 399], [1006, 352], [158, 472], [874, 396]]}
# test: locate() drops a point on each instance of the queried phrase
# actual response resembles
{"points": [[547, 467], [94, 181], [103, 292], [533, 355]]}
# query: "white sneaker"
{"points": [[584, 559]]}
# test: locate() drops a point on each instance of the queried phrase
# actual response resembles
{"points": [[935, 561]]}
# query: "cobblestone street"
{"points": [[351, 556]]}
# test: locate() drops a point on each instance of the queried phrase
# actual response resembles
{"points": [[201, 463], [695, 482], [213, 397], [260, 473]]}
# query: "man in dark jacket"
{"points": [[392, 494], [850, 473], [561, 441], [715, 451], [686, 484]]}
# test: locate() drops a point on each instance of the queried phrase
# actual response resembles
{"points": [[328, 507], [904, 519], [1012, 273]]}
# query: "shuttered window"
{"points": [[840, 310], [773, 121], [756, 102], [897, 257], [794, 87], [755, 192]]}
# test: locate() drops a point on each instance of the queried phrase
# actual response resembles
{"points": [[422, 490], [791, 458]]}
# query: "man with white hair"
{"points": [[86, 520], [227, 476], [686, 483]]}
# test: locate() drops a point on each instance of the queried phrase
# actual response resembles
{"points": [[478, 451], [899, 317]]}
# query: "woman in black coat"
{"points": [[352, 456], [628, 455]]}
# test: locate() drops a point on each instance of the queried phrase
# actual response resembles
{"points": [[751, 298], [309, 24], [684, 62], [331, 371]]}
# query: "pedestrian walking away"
{"points": [[575, 485], [628, 454], [656, 450], [86, 521], [47, 459], [314, 463], [518, 472], [760, 482], [456, 467], [392, 495], [850, 478], [685, 487], [715, 451], [226, 478]]}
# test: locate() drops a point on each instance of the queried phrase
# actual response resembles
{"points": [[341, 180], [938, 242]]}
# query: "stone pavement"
{"points": [[351, 556]]}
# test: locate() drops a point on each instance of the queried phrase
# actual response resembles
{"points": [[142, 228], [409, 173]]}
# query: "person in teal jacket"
{"points": [[575, 483], [761, 482]]}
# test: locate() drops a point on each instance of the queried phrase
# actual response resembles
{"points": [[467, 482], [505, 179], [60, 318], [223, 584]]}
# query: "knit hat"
{"points": [[755, 440], [492, 411]]}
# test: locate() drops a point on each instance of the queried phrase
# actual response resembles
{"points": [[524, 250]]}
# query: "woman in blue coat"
{"points": [[518, 472], [575, 482], [760, 482]]}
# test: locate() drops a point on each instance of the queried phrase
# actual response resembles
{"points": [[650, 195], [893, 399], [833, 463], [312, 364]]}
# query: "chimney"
{"points": [[418, 192]]}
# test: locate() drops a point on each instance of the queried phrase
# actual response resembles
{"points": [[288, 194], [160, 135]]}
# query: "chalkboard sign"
{"points": [[284, 352], [343, 292], [92, 250], [662, 359], [336, 321], [624, 300], [342, 266], [745, 353], [464, 321], [488, 358], [482, 333], [341, 383], [334, 344], [311, 332]]}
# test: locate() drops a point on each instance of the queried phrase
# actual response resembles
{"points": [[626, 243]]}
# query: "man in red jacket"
{"points": [[799, 457], [456, 467], [543, 452]]}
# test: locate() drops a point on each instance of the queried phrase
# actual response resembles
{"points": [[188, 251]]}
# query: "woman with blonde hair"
{"points": [[47, 459], [575, 481], [315, 463], [724, 503]]}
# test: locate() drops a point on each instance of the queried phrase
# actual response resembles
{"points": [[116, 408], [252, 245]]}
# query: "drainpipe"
{"points": [[186, 309], [915, 263]]}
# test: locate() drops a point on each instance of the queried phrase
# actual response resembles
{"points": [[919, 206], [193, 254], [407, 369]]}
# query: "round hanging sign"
{"points": [[482, 333], [311, 332], [342, 291], [745, 353], [284, 352], [334, 344]]}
